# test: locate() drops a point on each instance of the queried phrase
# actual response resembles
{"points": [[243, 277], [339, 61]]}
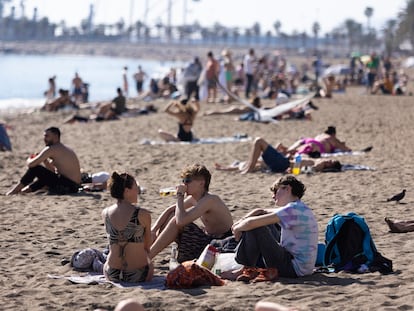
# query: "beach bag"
{"points": [[349, 246]]}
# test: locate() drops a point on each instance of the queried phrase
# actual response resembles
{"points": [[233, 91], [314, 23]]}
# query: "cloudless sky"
{"points": [[293, 14]]}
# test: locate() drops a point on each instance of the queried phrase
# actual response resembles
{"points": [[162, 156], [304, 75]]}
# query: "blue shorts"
{"points": [[276, 161]]}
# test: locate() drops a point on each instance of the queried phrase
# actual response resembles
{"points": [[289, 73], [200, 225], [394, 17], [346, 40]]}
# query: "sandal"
{"points": [[266, 274], [248, 274]]}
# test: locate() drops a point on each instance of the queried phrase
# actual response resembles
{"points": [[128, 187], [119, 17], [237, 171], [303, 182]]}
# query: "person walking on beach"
{"points": [[249, 62], [194, 202], [125, 81], [277, 242], [212, 73], [56, 166], [139, 77], [77, 88], [129, 233], [191, 75]]}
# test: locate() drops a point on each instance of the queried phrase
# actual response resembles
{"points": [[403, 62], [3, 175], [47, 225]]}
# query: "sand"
{"points": [[38, 231]]}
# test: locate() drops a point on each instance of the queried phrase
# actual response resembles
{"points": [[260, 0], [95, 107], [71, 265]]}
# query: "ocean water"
{"points": [[24, 78]]}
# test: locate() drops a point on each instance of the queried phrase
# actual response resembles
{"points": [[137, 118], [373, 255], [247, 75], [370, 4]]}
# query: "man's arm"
{"points": [[166, 215], [253, 222], [185, 216], [41, 157]]}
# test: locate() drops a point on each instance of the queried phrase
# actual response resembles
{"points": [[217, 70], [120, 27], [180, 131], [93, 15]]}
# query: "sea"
{"points": [[24, 78]]}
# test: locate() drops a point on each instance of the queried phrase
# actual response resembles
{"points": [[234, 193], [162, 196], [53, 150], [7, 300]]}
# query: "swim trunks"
{"points": [[276, 161]]}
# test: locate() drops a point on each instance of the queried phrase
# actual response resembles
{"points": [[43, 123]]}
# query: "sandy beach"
{"points": [[40, 230]]}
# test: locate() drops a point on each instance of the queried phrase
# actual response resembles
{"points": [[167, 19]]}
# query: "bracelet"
{"points": [[180, 194]]}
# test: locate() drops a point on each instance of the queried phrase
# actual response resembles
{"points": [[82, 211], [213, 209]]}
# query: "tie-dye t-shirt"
{"points": [[299, 235]]}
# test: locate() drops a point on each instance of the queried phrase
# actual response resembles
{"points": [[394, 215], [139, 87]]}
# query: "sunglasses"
{"points": [[187, 180]]}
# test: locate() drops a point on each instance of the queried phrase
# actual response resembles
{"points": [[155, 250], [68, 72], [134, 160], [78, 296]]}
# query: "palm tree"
{"points": [[315, 29], [368, 13], [354, 32], [256, 31], [277, 25], [406, 23], [389, 35]]}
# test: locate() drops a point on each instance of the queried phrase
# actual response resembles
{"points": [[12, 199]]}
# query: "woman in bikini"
{"points": [[186, 114], [129, 233], [326, 142]]}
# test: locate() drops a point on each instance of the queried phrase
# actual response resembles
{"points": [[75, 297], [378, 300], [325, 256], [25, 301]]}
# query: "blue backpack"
{"points": [[349, 246]]}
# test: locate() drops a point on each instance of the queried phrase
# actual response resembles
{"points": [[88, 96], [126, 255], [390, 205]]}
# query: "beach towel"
{"points": [[342, 153], [238, 138], [91, 278], [189, 275], [268, 115]]}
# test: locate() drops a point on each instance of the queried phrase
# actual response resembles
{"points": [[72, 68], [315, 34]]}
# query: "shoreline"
{"points": [[159, 52]]}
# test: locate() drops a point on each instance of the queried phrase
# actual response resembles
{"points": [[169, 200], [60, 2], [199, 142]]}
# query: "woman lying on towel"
{"points": [[129, 233]]}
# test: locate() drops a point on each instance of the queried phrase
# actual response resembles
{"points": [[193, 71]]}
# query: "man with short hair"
{"points": [[176, 222], [56, 167]]}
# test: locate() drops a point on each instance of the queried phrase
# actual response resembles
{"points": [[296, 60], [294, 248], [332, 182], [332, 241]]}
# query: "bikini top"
{"points": [[133, 232]]}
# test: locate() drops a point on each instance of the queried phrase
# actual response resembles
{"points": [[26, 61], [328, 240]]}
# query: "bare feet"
{"points": [[16, 190], [231, 274]]}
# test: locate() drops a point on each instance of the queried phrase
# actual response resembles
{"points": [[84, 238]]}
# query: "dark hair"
{"points": [[54, 130], [298, 188], [197, 170], [256, 102], [210, 54], [331, 130], [117, 184], [336, 167]]}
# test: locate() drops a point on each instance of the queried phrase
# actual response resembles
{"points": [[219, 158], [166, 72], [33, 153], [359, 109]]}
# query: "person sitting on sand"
{"points": [[56, 166], [400, 226], [282, 240], [106, 111], [326, 142], [185, 113], [176, 223], [61, 102], [386, 85], [265, 156], [129, 234]]}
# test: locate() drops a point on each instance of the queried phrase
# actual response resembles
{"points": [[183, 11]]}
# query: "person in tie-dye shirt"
{"points": [[284, 238]]}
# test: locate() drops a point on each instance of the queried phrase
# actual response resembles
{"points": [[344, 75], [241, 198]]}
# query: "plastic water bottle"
{"points": [[297, 164], [173, 257], [164, 192]]}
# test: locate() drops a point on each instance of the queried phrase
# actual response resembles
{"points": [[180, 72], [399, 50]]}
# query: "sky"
{"points": [[294, 15]]}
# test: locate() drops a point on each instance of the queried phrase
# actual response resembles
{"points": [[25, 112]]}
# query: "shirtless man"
{"points": [[77, 86], [139, 77], [176, 222], [326, 142], [264, 155], [60, 171]]}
